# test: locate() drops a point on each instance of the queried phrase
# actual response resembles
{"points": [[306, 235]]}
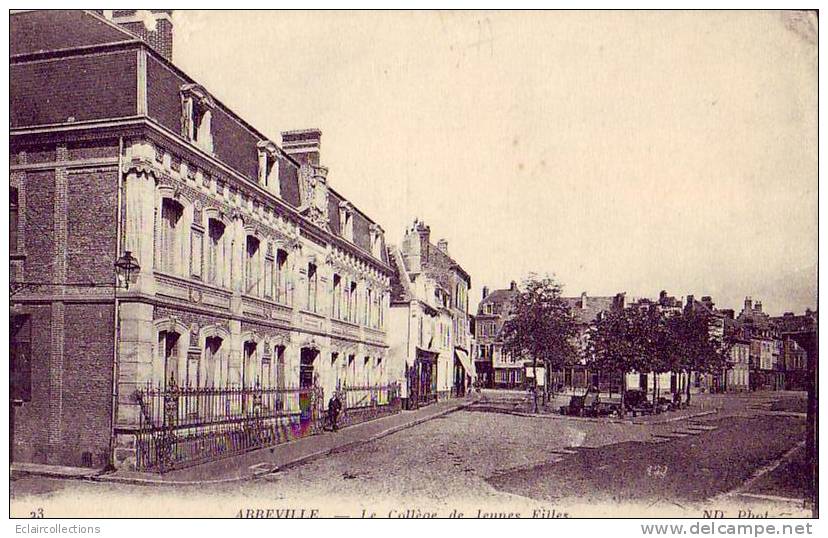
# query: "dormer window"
{"points": [[376, 240], [346, 220], [196, 115], [269, 166]]}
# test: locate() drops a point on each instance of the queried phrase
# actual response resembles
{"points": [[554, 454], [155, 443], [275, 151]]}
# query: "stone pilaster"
{"points": [[235, 353], [57, 340], [136, 368], [56, 360], [140, 223]]}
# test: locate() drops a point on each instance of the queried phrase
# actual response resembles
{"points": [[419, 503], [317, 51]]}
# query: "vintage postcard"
{"points": [[547, 264]]}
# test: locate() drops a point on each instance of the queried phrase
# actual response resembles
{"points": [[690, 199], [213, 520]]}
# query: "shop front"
{"points": [[421, 378]]}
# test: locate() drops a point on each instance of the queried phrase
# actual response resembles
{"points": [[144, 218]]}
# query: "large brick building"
{"points": [[254, 271]]}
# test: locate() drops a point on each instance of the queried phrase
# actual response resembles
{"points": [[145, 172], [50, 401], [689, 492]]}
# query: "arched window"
{"points": [[169, 355], [216, 252], [279, 356], [250, 369], [251, 266], [215, 365], [170, 242], [366, 371]]}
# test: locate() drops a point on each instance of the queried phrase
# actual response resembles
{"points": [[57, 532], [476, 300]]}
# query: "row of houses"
{"points": [[765, 353], [249, 292]]}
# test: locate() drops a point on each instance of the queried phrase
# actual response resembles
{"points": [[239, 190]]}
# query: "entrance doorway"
{"points": [[307, 358], [306, 367]]}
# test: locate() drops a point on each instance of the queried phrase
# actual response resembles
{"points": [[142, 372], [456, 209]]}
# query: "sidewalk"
{"points": [[267, 460]]}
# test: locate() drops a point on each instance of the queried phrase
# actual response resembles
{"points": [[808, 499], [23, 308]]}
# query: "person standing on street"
{"points": [[334, 407]]}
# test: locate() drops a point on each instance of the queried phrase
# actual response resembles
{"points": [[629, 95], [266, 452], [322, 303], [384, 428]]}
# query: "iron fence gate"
{"points": [[184, 426]]}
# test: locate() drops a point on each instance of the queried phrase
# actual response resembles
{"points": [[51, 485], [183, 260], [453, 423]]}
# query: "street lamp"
{"points": [[125, 266]]}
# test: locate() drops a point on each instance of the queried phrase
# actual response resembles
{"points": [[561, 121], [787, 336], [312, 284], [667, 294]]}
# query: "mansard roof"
{"points": [[57, 32]]}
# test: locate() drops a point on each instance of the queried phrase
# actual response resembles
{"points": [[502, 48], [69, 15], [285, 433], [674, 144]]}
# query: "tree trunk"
{"points": [[689, 373], [623, 411], [535, 387], [655, 389]]}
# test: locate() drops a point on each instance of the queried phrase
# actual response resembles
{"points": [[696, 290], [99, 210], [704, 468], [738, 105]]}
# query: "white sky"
{"points": [[621, 151]]}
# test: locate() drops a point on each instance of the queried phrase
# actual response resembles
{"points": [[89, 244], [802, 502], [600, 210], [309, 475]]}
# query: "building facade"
{"points": [[794, 357], [254, 272], [766, 371], [430, 330], [499, 369]]}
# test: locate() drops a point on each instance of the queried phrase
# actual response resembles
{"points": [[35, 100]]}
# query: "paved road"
{"points": [[480, 460]]}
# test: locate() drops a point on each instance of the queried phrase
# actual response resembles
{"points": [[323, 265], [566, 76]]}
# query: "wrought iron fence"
{"points": [[357, 396], [362, 403], [182, 426]]}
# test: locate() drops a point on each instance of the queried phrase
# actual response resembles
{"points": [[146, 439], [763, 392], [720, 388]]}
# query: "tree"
{"points": [[540, 328], [696, 349], [658, 347], [617, 344]]}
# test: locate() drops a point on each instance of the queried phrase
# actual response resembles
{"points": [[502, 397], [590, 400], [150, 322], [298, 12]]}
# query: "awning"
{"points": [[463, 357], [426, 354]]}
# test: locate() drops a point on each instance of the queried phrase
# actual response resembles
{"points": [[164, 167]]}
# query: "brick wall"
{"points": [[161, 39], [31, 442], [91, 244], [39, 232], [87, 383], [85, 88], [70, 236]]}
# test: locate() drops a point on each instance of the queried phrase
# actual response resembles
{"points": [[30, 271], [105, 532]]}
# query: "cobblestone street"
{"points": [[491, 461]]}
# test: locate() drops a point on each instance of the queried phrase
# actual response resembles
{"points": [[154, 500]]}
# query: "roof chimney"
{"points": [[748, 304], [513, 286], [485, 291], [415, 246], [303, 145], [583, 300], [152, 25], [442, 244], [758, 306]]}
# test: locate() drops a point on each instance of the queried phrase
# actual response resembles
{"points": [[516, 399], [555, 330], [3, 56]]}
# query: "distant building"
{"points": [[499, 369], [737, 375], [765, 349], [794, 357], [585, 310]]}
